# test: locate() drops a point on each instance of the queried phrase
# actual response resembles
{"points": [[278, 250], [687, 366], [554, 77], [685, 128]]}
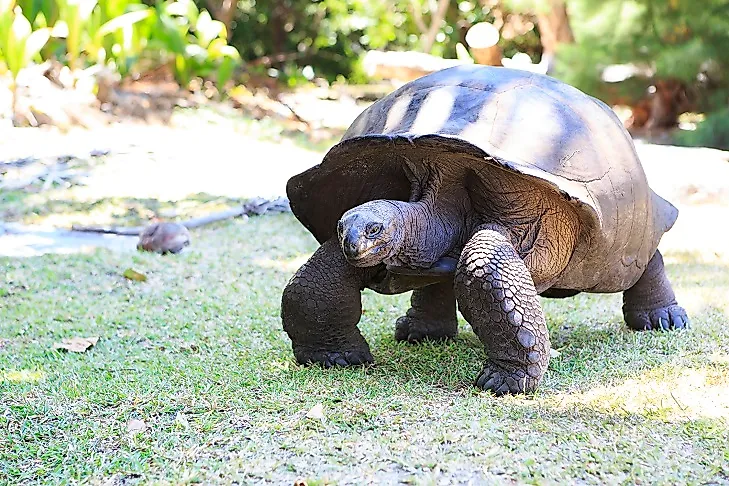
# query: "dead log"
{"points": [[404, 65], [482, 40]]}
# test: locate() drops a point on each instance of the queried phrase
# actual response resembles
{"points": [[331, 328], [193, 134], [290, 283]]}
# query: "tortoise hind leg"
{"points": [[650, 303], [320, 309], [497, 297], [432, 315]]}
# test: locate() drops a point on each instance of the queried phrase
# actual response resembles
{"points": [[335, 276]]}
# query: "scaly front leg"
{"points": [[496, 295], [321, 307]]}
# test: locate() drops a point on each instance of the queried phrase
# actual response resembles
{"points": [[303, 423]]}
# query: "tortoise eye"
{"points": [[373, 229]]}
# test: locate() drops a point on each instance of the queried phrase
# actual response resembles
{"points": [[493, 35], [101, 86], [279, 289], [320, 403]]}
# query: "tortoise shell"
{"points": [[505, 123]]}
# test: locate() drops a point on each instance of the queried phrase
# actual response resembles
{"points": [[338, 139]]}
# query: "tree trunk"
{"points": [[554, 29], [428, 33]]}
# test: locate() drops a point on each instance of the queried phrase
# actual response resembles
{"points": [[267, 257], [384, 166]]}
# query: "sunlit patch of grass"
{"points": [[668, 393], [288, 265], [21, 376]]}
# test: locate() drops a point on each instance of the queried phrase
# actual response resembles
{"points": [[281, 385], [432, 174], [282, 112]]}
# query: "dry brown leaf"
{"points": [[135, 426], [76, 344], [132, 274], [316, 412]]}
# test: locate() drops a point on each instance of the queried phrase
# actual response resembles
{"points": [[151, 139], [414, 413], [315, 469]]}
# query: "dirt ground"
{"points": [[204, 152]]}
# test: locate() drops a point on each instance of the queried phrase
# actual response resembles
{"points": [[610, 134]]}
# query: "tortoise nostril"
{"points": [[350, 249]]}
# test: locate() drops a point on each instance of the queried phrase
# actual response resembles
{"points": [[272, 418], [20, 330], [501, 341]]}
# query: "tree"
{"points": [[438, 9], [679, 40], [553, 24]]}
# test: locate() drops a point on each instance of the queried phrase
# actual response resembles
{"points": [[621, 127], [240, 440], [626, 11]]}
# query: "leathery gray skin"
{"points": [[381, 244]]}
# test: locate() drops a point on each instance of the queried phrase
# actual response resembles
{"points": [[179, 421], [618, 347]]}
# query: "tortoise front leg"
{"points": [[321, 307], [432, 315], [496, 295]]}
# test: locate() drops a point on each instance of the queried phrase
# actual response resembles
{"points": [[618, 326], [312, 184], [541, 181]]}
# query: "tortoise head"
{"points": [[371, 232]]}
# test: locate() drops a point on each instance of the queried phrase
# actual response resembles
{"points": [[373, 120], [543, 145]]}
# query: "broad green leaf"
{"points": [[6, 6], [85, 7], [182, 70], [35, 43], [174, 40], [185, 9], [219, 48], [194, 50], [207, 29], [21, 28], [227, 58], [225, 70], [60, 29], [124, 20]]}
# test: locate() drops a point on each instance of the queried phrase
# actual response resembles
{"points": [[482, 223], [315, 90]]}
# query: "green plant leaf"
{"points": [[21, 28], [124, 20], [6, 6], [60, 29], [17, 36], [85, 8], [207, 29], [225, 71], [219, 48], [170, 35], [35, 43], [185, 9]]}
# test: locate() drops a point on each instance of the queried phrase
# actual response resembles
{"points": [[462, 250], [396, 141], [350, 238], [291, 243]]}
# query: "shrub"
{"points": [[712, 132]]}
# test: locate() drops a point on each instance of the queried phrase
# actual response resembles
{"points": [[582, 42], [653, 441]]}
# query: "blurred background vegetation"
{"points": [[660, 59]]}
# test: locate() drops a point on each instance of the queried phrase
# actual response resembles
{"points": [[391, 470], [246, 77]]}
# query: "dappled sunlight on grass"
{"points": [[289, 265], [668, 393], [22, 376]]}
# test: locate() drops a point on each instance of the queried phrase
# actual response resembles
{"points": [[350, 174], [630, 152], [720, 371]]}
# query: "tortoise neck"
{"points": [[433, 227]]}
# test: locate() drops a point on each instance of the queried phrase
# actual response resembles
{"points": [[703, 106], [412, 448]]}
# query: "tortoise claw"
{"points": [[331, 359], [668, 318]]}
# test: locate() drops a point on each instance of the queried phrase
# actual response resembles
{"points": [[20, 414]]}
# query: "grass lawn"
{"points": [[198, 355]]}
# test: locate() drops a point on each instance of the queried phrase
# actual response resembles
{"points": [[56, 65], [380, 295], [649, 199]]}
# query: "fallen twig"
{"points": [[257, 206]]}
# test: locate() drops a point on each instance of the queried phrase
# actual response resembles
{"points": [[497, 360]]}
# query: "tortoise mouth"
{"points": [[372, 256]]}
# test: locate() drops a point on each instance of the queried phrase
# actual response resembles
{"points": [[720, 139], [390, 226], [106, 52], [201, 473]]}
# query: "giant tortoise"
{"points": [[487, 187]]}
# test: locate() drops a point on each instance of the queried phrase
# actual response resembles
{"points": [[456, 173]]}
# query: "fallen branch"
{"points": [[257, 206], [293, 112]]}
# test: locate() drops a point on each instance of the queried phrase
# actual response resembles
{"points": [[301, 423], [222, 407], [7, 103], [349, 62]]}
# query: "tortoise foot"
{"points": [[415, 330], [329, 358], [662, 319], [501, 381]]}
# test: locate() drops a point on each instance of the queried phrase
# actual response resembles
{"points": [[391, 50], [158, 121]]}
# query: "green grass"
{"points": [[197, 352]]}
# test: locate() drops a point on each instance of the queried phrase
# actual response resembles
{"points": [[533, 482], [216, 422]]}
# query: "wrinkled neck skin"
{"points": [[433, 227]]}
